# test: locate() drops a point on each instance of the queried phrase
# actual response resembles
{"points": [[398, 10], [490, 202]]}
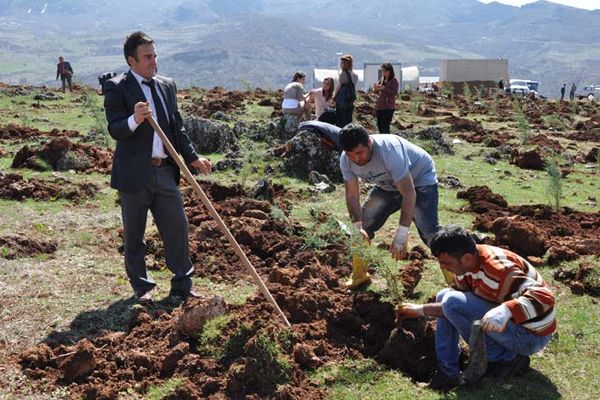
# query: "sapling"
{"points": [[554, 184]]}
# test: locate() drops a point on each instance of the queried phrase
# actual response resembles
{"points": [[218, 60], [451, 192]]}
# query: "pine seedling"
{"points": [[554, 184], [521, 120]]}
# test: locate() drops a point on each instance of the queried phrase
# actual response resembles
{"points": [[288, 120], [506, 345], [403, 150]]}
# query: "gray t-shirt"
{"points": [[294, 90], [393, 157]]}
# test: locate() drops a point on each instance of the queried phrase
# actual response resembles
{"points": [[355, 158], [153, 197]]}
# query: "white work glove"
{"points": [[495, 320], [400, 242]]}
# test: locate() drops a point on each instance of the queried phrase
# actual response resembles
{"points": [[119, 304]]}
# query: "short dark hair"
{"points": [[298, 75], [352, 135], [133, 41], [454, 240]]}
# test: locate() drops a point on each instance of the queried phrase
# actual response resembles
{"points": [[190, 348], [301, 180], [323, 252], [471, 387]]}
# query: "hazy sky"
{"points": [[589, 4]]}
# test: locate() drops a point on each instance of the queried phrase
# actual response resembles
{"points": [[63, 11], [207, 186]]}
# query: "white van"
{"points": [[524, 87]]}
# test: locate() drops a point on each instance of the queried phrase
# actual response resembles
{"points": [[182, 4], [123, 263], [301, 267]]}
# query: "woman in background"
{"points": [[387, 88], [344, 107], [323, 99], [294, 98]]}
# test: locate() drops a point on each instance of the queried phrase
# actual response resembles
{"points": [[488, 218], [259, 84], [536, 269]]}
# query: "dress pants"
{"points": [[162, 197]]}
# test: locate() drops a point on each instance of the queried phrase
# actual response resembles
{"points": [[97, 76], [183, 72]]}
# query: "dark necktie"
{"points": [[163, 122]]}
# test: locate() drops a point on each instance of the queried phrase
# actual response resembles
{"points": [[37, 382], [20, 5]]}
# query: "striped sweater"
{"points": [[505, 277]]}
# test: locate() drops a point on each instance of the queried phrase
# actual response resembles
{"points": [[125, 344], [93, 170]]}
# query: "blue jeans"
{"points": [[460, 310], [380, 204]]}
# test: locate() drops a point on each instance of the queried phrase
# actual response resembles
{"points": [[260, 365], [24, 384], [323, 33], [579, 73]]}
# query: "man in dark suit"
{"points": [[145, 175], [65, 72]]}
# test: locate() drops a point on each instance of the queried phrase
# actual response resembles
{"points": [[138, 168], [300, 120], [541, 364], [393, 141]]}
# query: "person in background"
{"points": [[387, 88], [295, 100], [572, 92], [496, 286], [65, 72], [562, 91], [345, 92], [323, 98]]}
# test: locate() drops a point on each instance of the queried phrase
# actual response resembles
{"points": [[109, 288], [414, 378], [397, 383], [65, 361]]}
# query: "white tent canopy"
{"points": [[373, 73], [410, 78], [319, 74]]}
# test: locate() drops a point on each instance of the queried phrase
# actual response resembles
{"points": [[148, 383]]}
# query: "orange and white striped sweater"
{"points": [[505, 277]]}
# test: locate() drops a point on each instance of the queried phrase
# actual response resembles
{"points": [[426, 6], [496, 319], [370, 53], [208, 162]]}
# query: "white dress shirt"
{"points": [[158, 150]]}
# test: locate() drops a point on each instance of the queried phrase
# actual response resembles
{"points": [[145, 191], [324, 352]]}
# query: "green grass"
{"points": [[208, 342], [65, 113], [56, 292], [232, 293], [258, 113], [164, 390]]}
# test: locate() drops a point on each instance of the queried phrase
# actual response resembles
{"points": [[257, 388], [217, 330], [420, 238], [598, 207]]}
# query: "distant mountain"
{"points": [[235, 43]]}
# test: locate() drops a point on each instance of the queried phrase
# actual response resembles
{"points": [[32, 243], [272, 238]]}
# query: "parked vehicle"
{"points": [[591, 92], [524, 87]]}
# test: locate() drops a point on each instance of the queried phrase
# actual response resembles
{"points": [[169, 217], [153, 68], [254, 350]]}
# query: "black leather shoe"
{"points": [[192, 293], [444, 383], [145, 297]]}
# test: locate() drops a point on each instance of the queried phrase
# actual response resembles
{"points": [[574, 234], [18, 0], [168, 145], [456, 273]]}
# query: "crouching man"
{"points": [[496, 286], [404, 178]]}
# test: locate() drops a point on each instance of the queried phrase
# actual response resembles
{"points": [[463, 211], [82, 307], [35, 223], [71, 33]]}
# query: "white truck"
{"points": [[591, 92], [524, 87]]}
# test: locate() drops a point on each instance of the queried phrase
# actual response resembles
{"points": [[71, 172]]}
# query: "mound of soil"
{"points": [[544, 142], [464, 125], [260, 357], [61, 154], [585, 136], [14, 187], [583, 279], [216, 100], [481, 199], [535, 230], [15, 132], [532, 159], [19, 246], [593, 155]]}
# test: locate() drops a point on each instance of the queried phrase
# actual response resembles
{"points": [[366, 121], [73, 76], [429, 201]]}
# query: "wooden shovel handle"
{"points": [[213, 213]]}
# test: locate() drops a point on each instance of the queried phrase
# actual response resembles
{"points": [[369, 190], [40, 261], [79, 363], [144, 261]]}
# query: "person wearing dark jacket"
{"points": [[144, 174], [386, 102], [345, 92], [65, 72]]}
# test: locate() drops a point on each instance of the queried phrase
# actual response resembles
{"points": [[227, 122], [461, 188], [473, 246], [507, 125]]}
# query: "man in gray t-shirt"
{"points": [[404, 178]]}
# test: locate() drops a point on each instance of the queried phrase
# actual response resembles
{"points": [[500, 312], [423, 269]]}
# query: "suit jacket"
{"points": [[131, 160], [68, 69]]}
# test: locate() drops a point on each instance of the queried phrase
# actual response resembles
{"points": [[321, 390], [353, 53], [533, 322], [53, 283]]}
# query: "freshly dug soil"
{"points": [[583, 279], [14, 187], [19, 246], [535, 230], [15, 132], [61, 154], [260, 357]]}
